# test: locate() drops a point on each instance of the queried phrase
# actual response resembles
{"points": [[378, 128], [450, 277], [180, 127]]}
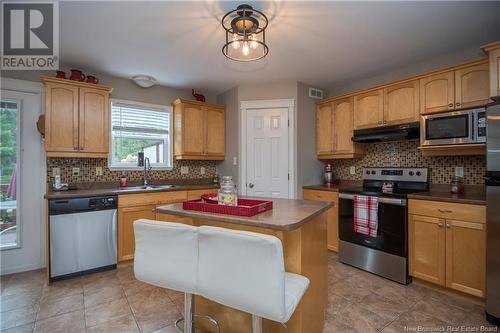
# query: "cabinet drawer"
{"points": [[156, 198], [196, 194], [321, 195], [448, 210]]}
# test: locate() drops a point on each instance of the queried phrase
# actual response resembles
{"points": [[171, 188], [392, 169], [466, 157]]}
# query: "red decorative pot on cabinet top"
{"points": [[77, 75], [92, 79]]}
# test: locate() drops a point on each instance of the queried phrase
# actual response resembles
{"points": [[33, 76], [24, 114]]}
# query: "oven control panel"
{"points": [[396, 174]]}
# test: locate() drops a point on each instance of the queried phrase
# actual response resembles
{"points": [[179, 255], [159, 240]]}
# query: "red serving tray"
{"points": [[246, 207]]}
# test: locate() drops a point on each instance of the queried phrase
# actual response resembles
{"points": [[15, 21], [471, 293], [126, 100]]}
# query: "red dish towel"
{"points": [[366, 215]]}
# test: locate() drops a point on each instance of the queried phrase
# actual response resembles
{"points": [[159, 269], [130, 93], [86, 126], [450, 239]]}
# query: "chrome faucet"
{"points": [[147, 167]]}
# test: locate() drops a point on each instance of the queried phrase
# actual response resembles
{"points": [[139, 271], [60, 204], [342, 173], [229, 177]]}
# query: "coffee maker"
{"points": [[328, 175]]}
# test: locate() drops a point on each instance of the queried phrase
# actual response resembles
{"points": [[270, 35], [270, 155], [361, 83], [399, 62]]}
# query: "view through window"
{"points": [[137, 127], [8, 170]]}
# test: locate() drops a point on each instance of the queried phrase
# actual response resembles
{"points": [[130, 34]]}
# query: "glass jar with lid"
{"points": [[228, 195]]}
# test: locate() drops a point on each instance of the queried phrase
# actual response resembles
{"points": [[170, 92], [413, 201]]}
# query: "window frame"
{"points": [[155, 166]]}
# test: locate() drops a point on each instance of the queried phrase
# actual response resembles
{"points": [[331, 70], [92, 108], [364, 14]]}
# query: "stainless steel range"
{"points": [[386, 252]]}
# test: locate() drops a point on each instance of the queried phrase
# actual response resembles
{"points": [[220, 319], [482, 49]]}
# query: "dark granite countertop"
{"points": [[111, 188], [286, 215], [473, 194]]}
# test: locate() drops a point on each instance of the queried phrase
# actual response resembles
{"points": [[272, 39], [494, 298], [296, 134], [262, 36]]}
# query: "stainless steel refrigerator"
{"points": [[493, 215]]}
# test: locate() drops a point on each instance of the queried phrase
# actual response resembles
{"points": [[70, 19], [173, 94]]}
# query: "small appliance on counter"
{"points": [[328, 175]]}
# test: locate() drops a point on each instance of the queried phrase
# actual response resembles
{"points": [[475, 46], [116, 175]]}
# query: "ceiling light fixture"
{"points": [[144, 81], [245, 34]]}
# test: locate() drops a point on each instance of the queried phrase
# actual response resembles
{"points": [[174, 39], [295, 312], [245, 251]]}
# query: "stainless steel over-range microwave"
{"points": [[457, 127]]}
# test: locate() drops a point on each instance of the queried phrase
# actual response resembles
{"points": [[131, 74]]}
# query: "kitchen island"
{"points": [[301, 226]]}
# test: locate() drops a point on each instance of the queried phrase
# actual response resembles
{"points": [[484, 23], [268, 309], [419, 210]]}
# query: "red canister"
{"points": [[123, 181]]}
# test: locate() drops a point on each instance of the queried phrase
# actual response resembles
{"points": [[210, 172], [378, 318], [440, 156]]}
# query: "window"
{"points": [[138, 127]]}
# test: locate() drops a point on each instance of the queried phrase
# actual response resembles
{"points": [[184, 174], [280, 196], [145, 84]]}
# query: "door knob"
{"points": [[250, 185]]}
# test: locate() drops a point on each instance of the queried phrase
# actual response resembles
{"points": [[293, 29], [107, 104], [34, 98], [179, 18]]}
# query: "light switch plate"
{"points": [[352, 170], [184, 170], [56, 172], [76, 172], [235, 160], [98, 171], [459, 171], [202, 170]]}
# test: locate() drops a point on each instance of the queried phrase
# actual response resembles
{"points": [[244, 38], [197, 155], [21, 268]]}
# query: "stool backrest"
{"points": [[242, 270], [166, 254]]}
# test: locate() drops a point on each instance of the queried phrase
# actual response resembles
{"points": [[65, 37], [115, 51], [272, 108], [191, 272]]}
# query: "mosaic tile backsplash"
{"points": [[88, 170], [406, 154]]}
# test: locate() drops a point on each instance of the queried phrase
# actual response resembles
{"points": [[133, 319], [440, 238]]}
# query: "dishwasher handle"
{"points": [[390, 201]]}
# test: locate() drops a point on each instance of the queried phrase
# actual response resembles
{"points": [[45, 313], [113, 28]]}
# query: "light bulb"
{"points": [[236, 42], [253, 43], [245, 49]]}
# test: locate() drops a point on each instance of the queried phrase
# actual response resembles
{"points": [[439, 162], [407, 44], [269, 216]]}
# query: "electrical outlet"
{"points": [[352, 170], [184, 170], [202, 170], [76, 172], [459, 171], [235, 160], [98, 171], [56, 172]]}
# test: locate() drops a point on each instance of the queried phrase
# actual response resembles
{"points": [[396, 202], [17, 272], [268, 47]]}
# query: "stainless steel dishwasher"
{"points": [[82, 236]]}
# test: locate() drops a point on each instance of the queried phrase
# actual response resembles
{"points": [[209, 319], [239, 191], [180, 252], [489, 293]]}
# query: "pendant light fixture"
{"points": [[245, 34]]}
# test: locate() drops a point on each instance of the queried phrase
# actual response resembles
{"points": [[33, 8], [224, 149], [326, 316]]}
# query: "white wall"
{"points": [[31, 254]]}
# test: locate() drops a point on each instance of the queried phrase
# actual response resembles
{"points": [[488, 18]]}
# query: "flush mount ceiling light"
{"points": [[245, 34], [144, 81]]}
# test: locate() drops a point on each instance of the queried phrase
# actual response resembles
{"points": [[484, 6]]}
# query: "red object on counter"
{"points": [[210, 198], [123, 181], [246, 207]]}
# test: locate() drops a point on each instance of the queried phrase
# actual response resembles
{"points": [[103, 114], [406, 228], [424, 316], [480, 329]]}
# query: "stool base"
{"points": [[189, 316]]}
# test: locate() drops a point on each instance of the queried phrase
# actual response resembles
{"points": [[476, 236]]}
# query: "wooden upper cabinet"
{"points": [[437, 93], [426, 245], [198, 130], [369, 109], [401, 103], [215, 137], [343, 126], [472, 86], [61, 117], [493, 51], [76, 118], [324, 134], [466, 256], [94, 121]]}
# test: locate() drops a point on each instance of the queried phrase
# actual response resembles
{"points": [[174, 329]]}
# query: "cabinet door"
{"points": [[215, 141], [94, 121], [332, 217], [369, 109], [342, 126], [494, 68], [61, 118], [437, 93], [466, 256], [472, 86], [193, 132], [126, 218], [324, 135], [401, 103], [426, 248]]}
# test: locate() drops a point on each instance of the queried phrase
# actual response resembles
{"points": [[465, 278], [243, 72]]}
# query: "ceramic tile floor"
{"points": [[114, 301]]}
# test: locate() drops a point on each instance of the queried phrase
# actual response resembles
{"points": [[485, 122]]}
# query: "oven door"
{"points": [[447, 128], [392, 225]]}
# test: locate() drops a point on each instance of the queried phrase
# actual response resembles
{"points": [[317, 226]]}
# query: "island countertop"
{"points": [[286, 215]]}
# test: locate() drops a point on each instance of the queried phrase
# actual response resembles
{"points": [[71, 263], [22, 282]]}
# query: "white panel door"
{"points": [[267, 152]]}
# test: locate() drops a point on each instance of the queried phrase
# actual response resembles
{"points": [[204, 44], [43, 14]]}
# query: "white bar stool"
{"points": [[246, 271], [166, 255]]}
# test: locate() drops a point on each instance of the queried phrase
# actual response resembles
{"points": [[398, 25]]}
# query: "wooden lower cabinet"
{"points": [[332, 228], [135, 206], [445, 250], [126, 218]]}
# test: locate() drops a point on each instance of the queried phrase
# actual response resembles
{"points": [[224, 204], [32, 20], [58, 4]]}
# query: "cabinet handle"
{"points": [[380, 122], [458, 104], [450, 105], [445, 210], [448, 225], [440, 225]]}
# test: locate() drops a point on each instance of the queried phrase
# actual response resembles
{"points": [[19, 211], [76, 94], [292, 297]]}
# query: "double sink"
{"points": [[148, 187]]}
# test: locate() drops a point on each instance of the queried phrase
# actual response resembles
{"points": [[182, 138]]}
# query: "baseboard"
{"points": [[20, 269]]}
